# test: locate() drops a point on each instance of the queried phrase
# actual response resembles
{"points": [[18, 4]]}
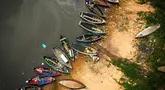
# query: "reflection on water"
{"points": [[69, 6]]}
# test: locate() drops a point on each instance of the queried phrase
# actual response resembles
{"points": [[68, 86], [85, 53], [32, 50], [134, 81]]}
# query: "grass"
{"points": [[135, 77]]}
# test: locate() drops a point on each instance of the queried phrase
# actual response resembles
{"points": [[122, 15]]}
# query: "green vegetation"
{"points": [[136, 77]]}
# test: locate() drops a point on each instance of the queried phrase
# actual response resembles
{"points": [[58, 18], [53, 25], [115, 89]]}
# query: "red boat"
{"points": [[101, 3], [41, 80], [42, 70]]}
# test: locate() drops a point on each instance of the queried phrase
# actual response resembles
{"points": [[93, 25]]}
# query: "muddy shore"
{"points": [[119, 42]]}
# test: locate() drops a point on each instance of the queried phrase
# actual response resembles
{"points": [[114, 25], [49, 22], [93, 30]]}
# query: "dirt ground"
{"points": [[120, 41]]}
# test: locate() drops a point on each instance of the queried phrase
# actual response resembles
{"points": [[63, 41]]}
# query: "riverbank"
{"points": [[122, 26]]}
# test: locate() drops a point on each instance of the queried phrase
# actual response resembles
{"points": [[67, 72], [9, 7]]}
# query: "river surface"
{"points": [[24, 26]]}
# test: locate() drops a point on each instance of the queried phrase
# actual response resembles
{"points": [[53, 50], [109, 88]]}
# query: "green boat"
{"points": [[66, 46], [55, 64]]}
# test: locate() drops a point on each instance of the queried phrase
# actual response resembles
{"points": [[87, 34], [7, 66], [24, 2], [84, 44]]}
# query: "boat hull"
{"points": [[66, 45], [72, 84], [46, 71], [148, 31], [95, 29], [41, 80], [62, 57], [82, 49], [113, 1], [103, 3], [88, 38], [95, 9], [55, 64], [92, 18]]}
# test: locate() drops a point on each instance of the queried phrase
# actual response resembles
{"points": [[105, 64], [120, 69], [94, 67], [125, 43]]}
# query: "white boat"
{"points": [[61, 56], [161, 69], [113, 1], [148, 30]]}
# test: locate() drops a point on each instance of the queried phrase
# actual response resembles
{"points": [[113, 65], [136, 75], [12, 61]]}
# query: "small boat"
{"points": [[61, 56], [88, 38], [66, 46], [92, 28], [72, 84], [92, 18], [161, 69], [113, 1], [41, 80], [103, 3], [148, 30], [84, 49], [55, 64], [46, 71], [96, 9], [29, 88]]}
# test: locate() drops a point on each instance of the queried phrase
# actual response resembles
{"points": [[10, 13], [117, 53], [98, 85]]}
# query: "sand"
{"points": [[119, 42]]}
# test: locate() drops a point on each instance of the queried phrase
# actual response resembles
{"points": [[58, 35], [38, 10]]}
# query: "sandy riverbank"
{"points": [[120, 40]]}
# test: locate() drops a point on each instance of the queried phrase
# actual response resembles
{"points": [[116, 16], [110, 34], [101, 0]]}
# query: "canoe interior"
{"points": [[46, 71], [72, 84], [55, 64], [41, 80]]}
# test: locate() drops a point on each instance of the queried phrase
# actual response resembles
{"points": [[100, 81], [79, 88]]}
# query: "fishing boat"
{"points": [[29, 88], [72, 84], [88, 38], [61, 56], [41, 80], [113, 1], [148, 31], [92, 28], [92, 18], [96, 9], [103, 3], [66, 46], [84, 49], [46, 71], [55, 64], [161, 69]]}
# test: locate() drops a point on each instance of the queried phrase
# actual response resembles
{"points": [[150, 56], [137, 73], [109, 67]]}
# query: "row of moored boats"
{"points": [[61, 61]]}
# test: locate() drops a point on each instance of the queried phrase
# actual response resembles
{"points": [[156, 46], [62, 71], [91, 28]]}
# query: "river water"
{"points": [[24, 26]]}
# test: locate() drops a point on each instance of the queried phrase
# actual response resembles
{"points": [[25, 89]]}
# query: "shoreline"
{"points": [[119, 42]]}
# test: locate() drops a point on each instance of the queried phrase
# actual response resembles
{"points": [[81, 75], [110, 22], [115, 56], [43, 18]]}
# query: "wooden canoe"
{"points": [[84, 49], [88, 38], [103, 3], [72, 84], [55, 64], [96, 9], [161, 69], [148, 31], [66, 46], [95, 29], [62, 57], [113, 1], [92, 18], [42, 70], [41, 80]]}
